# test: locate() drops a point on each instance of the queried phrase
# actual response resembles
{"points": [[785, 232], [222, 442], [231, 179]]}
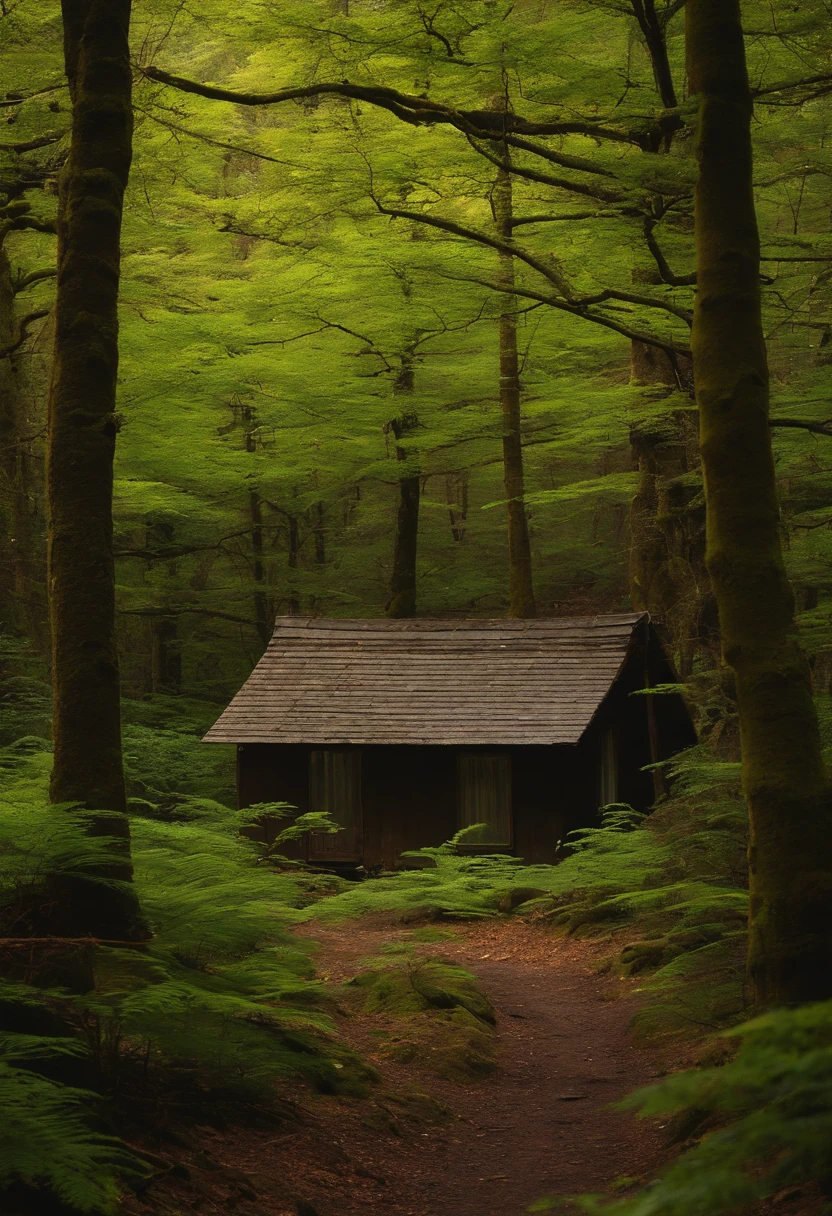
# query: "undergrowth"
{"points": [[220, 1004], [667, 889]]}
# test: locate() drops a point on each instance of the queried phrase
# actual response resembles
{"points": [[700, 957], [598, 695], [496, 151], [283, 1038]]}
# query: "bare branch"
{"points": [[574, 215], [482, 238], [154, 612], [22, 331], [30, 145], [675, 280], [804, 424], [416, 110], [17, 99], [22, 281]]}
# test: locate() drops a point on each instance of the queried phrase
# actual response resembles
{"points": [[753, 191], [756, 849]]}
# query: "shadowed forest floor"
{"points": [[423, 1144]]}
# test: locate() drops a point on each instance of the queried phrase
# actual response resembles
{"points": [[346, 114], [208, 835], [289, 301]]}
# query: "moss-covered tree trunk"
{"points": [[521, 601], [788, 791], [81, 443]]}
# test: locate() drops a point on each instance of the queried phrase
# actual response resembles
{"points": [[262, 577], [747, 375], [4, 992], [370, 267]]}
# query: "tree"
{"points": [[82, 427], [786, 783]]}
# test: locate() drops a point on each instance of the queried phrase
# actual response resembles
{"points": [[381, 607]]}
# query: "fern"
{"points": [[46, 1142]]}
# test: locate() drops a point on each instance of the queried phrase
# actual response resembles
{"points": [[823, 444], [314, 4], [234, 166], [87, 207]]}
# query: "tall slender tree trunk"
{"points": [[520, 584], [12, 590], [81, 443], [262, 614], [402, 601], [82, 423], [787, 787], [22, 558]]}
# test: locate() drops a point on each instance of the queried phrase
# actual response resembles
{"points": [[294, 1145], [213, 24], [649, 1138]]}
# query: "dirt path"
{"points": [[419, 1145], [541, 1124]]}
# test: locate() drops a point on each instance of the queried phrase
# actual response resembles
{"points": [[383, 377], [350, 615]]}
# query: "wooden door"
{"points": [[335, 788]]}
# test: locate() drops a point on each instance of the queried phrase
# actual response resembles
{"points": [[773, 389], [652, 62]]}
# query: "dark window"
{"points": [[484, 795], [335, 787]]}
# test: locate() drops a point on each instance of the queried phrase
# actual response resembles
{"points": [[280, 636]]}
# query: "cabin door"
{"points": [[484, 797], [335, 788]]}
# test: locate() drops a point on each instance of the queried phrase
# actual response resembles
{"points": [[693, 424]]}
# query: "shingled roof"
{"points": [[428, 681]]}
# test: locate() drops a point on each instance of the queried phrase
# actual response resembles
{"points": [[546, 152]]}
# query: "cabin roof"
{"points": [[422, 681]]}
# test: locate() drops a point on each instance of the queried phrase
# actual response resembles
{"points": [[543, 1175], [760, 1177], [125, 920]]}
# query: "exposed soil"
{"points": [[540, 1124]]}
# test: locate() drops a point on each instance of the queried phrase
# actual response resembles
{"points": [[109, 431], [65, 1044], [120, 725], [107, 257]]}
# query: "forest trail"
{"points": [[541, 1124]]}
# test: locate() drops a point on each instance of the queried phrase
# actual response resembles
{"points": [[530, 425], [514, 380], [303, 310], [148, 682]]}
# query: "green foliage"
{"points": [[219, 1005], [46, 1139], [25, 695]]}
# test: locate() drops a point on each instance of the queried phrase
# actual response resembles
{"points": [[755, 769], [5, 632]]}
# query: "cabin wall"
{"points": [[409, 794]]}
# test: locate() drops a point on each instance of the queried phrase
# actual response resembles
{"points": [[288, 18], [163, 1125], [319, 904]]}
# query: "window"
{"points": [[335, 787], [484, 793], [608, 770]]}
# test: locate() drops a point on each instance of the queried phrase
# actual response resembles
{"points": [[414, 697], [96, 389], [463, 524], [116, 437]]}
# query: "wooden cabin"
{"points": [[406, 731]]}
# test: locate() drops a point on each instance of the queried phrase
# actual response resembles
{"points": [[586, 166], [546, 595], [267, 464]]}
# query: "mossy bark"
{"points": [[786, 785], [81, 443], [521, 602]]}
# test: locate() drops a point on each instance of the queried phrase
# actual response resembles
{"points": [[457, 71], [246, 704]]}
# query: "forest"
{"points": [[489, 340]]}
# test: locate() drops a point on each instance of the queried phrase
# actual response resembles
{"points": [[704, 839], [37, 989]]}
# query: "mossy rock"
{"points": [[465, 1052], [410, 989], [447, 1018], [657, 952], [420, 1107], [446, 987], [381, 1122], [515, 897]]}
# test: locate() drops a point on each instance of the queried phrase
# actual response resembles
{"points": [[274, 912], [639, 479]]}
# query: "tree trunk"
{"points": [[520, 585], [262, 614], [82, 423], [667, 570], [165, 646], [294, 553], [81, 443], [402, 601], [788, 792], [12, 590], [22, 557]]}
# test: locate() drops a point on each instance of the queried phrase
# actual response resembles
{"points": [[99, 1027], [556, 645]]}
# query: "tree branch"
{"points": [[30, 145], [804, 424], [552, 219], [223, 616], [481, 238], [674, 280], [22, 331], [22, 281], [416, 110]]}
